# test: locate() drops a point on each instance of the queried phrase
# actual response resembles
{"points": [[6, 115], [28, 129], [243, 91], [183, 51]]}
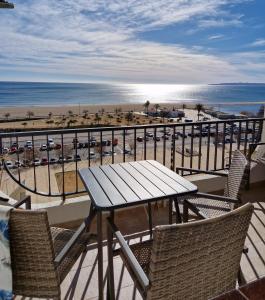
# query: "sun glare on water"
{"points": [[163, 92]]}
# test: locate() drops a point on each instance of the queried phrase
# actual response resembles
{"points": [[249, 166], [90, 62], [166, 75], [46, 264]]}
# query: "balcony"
{"points": [[45, 165], [81, 283]]}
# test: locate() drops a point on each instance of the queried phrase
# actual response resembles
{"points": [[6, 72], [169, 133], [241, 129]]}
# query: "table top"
{"points": [[132, 183]]}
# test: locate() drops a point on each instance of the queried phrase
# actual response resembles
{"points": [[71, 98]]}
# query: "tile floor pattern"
{"points": [[81, 282]]}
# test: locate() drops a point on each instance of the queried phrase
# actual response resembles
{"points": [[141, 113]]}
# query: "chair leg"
{"points": [[178, 215], [150, 219], [241, 278], [185, 212]]}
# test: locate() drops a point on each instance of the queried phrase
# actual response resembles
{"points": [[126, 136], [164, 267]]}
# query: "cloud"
{"points": [[258, 43], [216, 37], [220, 23], [100, 39]]}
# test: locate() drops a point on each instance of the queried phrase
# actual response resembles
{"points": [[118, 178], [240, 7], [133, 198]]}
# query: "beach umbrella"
{"points": [[5, 4]]}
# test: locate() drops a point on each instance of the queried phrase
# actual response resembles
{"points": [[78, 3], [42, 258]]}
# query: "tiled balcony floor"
{"points": [[81, 283]]}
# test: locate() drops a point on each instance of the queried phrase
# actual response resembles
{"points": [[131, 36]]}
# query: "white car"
{"points": [[36, 162], [43, 147], [5, 150], [9, 164], [51, 143], [91, 155]]}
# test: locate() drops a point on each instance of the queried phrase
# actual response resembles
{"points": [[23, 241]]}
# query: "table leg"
{"points": [[178, 215], [89, 219], [111, 287], [170, 221], [150, 219], [100, 257]]}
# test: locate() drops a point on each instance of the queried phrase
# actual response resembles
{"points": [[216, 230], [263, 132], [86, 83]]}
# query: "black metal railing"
{"points": [[47, 162]]}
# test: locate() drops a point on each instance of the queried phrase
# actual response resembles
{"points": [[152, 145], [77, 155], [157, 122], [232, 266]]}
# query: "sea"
{"points": [[227, 97]]}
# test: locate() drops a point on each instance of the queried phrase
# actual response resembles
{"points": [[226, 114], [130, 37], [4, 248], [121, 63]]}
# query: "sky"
{"points": [[133, 41]]}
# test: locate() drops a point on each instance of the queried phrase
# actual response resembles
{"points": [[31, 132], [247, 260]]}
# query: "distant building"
{"points": [[176, 114], [171, 114]]}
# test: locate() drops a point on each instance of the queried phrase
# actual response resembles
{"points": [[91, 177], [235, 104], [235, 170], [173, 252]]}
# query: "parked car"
{"points": [[157, 138], [36, 162], [108, 153], [106, 143], [44, 147], [13, 150], [57, 146], [91, 155], [139, 139], [61, 159], [77, 157], [92, 143], [228, 141], [44, 161], [127, 151], [53, 161], [9, 164], [149, 134], [5, 150], [28, 143], [69, 158]]}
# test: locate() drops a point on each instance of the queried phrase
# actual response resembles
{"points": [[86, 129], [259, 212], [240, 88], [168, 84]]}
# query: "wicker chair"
{"points": [[192, 261], [42, 255], [256, 156], [206, 205]]}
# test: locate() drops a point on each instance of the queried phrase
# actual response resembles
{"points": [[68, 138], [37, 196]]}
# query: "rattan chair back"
{"points": [[237, 176], [32, 255], [198, 260]]}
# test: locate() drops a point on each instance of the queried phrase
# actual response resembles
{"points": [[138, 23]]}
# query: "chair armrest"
{"points": [[188, 205], [58, 259], [26, 201], [201, 171], [217, 197], [131, 259]]}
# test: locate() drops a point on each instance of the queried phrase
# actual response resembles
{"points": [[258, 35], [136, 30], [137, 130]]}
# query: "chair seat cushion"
{"points": [[142, 252], [209, 207], [60, 238]]}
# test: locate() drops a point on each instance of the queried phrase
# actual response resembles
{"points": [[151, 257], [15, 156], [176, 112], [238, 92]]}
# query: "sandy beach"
{"points": [[84, 116], [43, 111]]}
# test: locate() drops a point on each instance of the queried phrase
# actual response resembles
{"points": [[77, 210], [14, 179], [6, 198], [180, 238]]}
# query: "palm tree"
{"points": [[146, 106], [164, 114], [129, 117], [7, 115], [101, 111], [24, 124], [30, 114], [85, 112], [70, 113], [97, 118], [199, 108], [156, 106], [184, 106]]}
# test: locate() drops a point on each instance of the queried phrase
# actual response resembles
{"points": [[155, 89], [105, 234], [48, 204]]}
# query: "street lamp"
{"points": [[5, 4]]}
